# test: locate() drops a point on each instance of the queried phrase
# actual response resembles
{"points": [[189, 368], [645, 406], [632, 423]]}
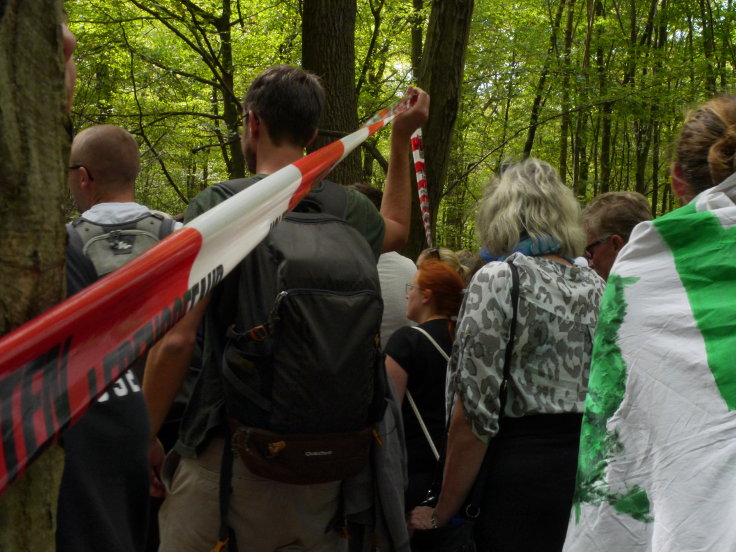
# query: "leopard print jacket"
{"points": [[558, 311]]}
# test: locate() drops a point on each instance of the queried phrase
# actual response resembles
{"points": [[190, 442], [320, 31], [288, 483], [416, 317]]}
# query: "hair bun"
{"points": [[722, 156]]}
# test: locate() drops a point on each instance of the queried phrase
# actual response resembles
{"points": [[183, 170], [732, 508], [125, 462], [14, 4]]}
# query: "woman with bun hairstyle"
{"points": [[531, 222], [658, 448], [416, 361]]}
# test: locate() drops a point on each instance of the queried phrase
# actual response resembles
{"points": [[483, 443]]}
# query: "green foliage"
{"points": [[160, 69]]}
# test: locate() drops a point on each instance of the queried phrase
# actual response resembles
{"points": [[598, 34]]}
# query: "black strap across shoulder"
{"points": [[472, 509]]}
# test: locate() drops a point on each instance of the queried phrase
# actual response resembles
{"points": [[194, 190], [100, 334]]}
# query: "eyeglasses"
{"points": [[410, 287], [590, 248], [76, 167]]}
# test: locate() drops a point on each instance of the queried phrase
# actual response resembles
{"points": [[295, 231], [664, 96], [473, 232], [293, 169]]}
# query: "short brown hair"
{"points": [[706, 145], [289, 100], [372, 193], [616, 213]]}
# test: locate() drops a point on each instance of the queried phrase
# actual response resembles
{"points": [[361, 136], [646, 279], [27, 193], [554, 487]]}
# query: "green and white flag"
{"points": [[657, 466]]}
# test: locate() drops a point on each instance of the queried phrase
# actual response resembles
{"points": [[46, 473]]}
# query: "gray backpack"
{"points": [[302, 368], [110, 246]]}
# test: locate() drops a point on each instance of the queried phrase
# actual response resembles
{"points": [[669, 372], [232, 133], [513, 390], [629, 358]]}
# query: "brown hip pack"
{"points": [[302, 459]]}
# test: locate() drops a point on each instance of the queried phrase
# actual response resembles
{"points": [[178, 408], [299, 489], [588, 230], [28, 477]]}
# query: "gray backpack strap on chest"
{"points": [[110, 246]]}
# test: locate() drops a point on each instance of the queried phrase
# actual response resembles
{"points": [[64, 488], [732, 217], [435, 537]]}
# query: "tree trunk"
{"points": [[539, 94], [441, 75], [35, 133], [565, 104], [231, 109], [605, 112], [417, 23], [328, 49]]}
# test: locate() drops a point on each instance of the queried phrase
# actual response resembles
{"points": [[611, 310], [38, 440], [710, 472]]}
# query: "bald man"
{"points": [[103, 499]]}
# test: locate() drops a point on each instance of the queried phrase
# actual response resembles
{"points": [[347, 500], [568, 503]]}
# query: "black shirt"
{"points": [[103, 497], [426, 369]]}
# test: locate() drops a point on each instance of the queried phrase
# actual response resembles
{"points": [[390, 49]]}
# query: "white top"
{"points": [[394, 272], [118, 212]]}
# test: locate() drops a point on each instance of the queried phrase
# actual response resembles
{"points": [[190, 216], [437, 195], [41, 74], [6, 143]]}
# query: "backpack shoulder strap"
{"points": [[431, 339], [232, 187], [329, 198], [80, 271], [75, 240], [167, 227]]}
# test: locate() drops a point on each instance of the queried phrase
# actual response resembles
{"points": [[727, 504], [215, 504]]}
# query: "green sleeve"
{"points": [[205, 200], [365, 218]]}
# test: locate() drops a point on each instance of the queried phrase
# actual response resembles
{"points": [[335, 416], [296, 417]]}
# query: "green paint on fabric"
{"points": [[606, 389], [635, 503], [705, 258]]}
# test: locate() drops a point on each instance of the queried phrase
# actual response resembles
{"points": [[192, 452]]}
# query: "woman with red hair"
{"points": [[416, 361]]}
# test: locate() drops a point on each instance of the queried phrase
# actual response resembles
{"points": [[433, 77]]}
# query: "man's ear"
{"points": [[618, 242], [313, 138], [85, 181], [678, 183], [254, 123]]}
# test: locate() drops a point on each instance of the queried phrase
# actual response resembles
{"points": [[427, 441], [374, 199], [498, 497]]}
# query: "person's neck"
{"points": [[276, 158], [433, 316], [557, 259], [114, 195]]}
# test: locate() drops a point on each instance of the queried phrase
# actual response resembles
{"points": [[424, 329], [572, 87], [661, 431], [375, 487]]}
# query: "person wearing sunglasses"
{"points": [[608, 221], [656, 465]]}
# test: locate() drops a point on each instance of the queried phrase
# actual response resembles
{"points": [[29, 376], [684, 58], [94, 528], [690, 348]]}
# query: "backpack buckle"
{"points": [[258, 333]]}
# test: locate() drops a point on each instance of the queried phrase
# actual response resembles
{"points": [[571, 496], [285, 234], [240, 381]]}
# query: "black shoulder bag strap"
{"points": [[472, 510]]}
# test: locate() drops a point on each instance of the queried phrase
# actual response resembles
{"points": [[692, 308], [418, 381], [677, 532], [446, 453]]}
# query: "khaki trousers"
{"points": [[266, 515]]}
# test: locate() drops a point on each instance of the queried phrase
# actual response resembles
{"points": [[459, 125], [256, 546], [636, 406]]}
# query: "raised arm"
{"points": [[396, 204]]}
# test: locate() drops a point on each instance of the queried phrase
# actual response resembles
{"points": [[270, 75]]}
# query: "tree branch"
{"points": [[370, 148], [141, 126]]}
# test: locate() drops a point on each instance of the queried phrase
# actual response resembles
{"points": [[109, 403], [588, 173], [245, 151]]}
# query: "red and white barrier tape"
{"points": [[54, 366], [417, 151]]}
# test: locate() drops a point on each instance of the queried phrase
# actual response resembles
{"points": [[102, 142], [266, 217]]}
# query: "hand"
{"points": [[421, 518], [156, 457], [407, 122]]}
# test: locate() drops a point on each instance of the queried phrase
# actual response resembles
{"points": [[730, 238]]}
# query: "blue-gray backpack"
{"points": [[110, 246], [302, 366]]}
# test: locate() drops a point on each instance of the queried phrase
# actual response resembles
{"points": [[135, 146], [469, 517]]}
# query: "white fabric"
{"points": [[394, 272], [667, 478]]}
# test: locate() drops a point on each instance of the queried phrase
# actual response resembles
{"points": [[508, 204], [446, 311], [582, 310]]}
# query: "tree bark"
{"points": [[328, 49], [441, 75], [231, 109], [539, 94], [565, 103], [35, 133]]}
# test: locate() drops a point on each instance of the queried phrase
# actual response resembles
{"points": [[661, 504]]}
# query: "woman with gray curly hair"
{"points": [[530, 219]]}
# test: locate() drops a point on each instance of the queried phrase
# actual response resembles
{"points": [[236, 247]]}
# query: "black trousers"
{"points": [[530, 483]]}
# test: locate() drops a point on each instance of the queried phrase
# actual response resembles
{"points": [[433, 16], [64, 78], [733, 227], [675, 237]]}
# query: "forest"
{"points": [[595, 87]]}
